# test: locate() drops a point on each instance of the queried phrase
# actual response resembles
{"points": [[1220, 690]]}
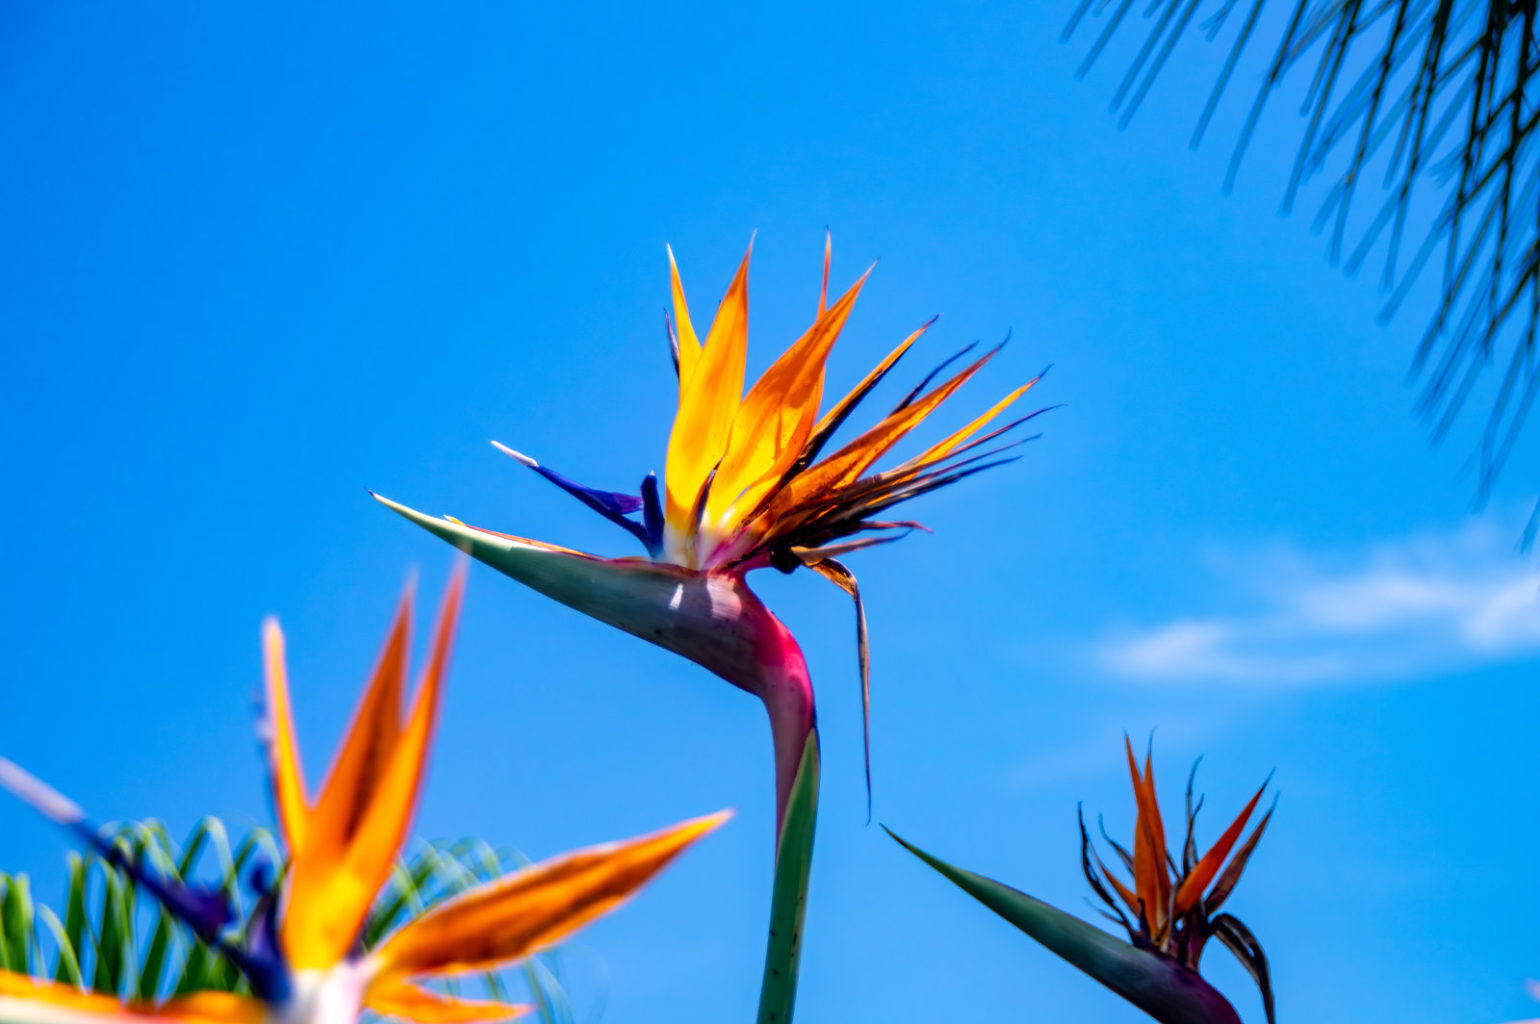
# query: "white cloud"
{"points": [[1405, 608]]}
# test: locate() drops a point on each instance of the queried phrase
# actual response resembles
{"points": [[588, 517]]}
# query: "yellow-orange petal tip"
{"points": [[706, 823]]}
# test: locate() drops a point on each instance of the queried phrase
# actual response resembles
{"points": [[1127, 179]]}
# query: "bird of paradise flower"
{"points": [[746, 486], [300, 952], [1169, 913]]}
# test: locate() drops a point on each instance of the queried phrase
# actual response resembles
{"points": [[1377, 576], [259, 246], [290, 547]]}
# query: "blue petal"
{"points": [[266, 968], [208, 911], [612, 505], [204, 909], [652, 516]]}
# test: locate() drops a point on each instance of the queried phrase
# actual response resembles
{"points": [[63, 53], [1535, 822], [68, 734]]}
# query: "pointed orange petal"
{"points": [[836, 415], [288, 778], [689, 345], [1158, 844], [314, 935], [413, 1003], [941, 450], [847, 464], [35, 1001], [1231, 875], [28, 1000], [708, 400], [1204, 871], [372, 735], [212, 1008], [776, 419], [372, 850], [530, 909], [331, 889], [1157, 826], [1124, 892], [1145, 857], [872, 445]]}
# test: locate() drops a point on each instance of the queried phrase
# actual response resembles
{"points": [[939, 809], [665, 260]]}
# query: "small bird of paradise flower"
{"points": [[747, 485], [1169, 907], [300, 952]]}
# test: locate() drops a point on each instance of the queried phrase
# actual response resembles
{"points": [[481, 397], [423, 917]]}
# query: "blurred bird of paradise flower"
{"points": [[300, 952], [1169, 908], [747, 486]]}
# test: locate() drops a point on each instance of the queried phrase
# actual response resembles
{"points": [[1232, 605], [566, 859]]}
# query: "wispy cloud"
{"points": [[1398, 609]]}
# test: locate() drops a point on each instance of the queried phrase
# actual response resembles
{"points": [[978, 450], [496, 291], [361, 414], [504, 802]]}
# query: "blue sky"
{"points": [[259, 258]]}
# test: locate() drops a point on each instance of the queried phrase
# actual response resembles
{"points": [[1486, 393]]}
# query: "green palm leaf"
{"points": [[1435, 96]]}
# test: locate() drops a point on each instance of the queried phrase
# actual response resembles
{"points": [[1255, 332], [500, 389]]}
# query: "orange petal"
{"points": [[329, 897], [776, 419], [1158, 845], [213, 1008], [288, 778], [1124, 893], [689, 345], [1198, 879], [834, 416], [1157, 826], [1231, 875], [365, 752], [530, 909], [28, 1000], [847, 464], [312, 934], [941, 450], [383, 828], [1145, 883], [708, 400], [413, 1003]]}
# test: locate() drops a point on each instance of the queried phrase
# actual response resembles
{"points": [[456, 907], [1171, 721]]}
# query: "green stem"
{"points": [[788, 900]]}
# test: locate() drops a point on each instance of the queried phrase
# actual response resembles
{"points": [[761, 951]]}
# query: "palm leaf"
{"points": [[1433, 95]]}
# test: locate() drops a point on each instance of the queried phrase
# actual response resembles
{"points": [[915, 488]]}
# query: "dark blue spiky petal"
{"points": [[612, 505]]}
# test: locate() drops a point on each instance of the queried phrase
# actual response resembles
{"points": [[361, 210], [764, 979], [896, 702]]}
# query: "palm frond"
{"points": [[1435, 94], [108, 940]]}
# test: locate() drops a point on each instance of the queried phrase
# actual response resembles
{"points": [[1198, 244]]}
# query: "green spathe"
{"points": [[1167, 991], [699, 616]]}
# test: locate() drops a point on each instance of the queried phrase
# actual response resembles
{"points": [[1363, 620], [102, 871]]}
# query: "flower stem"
{"points": [[788, 901]]}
